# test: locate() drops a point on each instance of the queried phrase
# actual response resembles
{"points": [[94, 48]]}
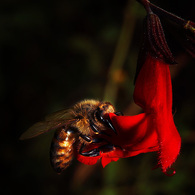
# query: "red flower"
{"points": [[153, 130], [153, 92]]}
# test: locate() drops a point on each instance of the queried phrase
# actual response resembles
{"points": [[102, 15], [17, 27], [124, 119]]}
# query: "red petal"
{"points": [[134, 132], [169, 142], [153, 92], [153, 89], [87, 160], [107, 160], [134, 136]]}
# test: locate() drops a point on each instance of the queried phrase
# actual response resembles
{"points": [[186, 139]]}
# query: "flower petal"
{"points": [[107, 160], [87, 160], [134, 132], [153, 92]]}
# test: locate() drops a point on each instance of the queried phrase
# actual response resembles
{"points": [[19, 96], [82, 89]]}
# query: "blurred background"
{"points": [[55, 53]]}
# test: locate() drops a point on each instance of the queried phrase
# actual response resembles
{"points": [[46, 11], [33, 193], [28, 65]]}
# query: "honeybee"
{"points": [[76, 128]]}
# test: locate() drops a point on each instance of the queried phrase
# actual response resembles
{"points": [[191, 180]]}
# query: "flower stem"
{"points": [[121, 52], [163, 13]]}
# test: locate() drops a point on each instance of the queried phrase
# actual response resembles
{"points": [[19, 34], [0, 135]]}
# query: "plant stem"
{"points": [[120, 53], [178, 20]]}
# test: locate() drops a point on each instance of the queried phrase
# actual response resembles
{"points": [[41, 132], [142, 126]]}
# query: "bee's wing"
{"points": [[39, 128], [52, 121], [59, 115]]}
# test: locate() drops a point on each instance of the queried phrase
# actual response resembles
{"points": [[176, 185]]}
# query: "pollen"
{"points": [[64, 144], [68, 132], [60, 152], [57, 160], [67, 139]]}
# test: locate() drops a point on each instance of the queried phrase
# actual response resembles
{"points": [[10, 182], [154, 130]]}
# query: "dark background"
{"points": [[55, 53]]}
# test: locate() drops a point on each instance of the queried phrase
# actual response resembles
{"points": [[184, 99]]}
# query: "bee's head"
{"points": [[104, 108]]}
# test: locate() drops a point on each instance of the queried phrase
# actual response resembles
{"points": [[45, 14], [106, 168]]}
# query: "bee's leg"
{"points": [[85, 137], [94, 128], [88, 139], [91, 153], [94, 140], [99, 140], [107, 148], [96, 151], [109, 124], [105, 121]]}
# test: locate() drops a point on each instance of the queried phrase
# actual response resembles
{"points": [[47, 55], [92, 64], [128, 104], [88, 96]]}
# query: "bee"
{"points": [[76, 128]]}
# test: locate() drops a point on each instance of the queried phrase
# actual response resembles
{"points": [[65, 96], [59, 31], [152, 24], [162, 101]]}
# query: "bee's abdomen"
{"points": [[61, 152]]}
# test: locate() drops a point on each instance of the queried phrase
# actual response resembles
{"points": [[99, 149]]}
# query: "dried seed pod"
{"points": [[183, 31], [154, 42], [155, 39]]}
